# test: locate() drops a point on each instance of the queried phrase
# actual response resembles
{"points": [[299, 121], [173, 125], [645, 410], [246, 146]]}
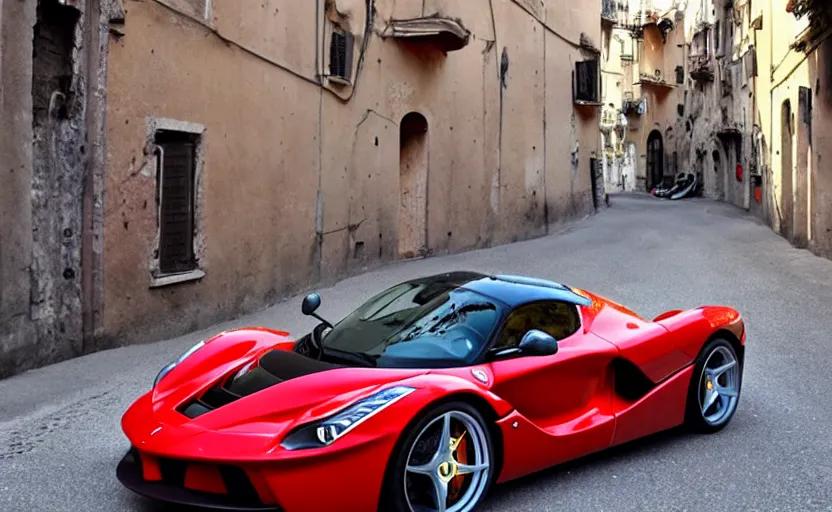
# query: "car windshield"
{"points": [[418, 322]]}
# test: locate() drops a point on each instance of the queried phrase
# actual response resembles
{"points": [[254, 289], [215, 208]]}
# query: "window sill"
{"points": [[338, 80], [171, 279]]}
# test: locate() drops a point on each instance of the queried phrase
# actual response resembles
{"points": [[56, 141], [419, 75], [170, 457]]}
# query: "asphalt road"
{"points": [[59, 426]]}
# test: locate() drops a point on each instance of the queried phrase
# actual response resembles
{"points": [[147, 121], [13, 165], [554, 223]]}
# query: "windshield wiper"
{"points": [[353, 357]]}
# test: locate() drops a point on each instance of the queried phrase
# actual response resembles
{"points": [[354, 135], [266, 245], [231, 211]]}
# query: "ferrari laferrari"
{"points": [[425, 396]]}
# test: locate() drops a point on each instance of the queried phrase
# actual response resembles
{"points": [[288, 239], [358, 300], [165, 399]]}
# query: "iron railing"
{"points": [[609, 10]]}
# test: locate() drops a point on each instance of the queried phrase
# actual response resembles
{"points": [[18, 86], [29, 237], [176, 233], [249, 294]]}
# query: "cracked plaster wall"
{"points": [[47, 156], [302, 186], [16, 330], [43, 169], [713, 108], [59, 147]]}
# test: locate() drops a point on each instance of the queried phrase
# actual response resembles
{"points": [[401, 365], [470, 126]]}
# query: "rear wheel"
{"points": [[715, 386], [443, 463]]}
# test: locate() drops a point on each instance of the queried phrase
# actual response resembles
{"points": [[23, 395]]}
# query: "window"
{"points": [[558, 319], [718, 36], [340, 56], [175, 191], [680, 74], [178, 149], [587, 85]]}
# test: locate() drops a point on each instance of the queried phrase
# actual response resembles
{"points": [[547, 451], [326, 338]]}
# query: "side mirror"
{"points": [[311, 303], [538, 343]]}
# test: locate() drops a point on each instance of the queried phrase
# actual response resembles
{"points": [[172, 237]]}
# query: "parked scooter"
{"points": [[685, 185]]}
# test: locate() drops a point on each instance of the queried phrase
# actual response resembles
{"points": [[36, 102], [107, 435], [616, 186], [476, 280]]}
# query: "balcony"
{"points": [[800, 8], [630, 106], [655, 79], [701, 67], [609, 11], [818, 16], [446, 34]]}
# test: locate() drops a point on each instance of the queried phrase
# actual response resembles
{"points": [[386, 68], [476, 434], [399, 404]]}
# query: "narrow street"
{"points": [[60, 437]]}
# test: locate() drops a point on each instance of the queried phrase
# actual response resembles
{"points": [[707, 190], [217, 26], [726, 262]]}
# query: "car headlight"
{"points": [[173, 365], [325, 432]]}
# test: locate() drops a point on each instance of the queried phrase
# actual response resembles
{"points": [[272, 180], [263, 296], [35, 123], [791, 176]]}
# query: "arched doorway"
{"points": [[413, 186], [787, 172], [655, 159]]}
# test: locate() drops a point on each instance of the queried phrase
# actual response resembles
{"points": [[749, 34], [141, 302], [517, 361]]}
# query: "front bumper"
{"points": [[239, 494]]}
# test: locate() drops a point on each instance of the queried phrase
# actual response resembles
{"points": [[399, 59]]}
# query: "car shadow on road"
{"points": [[597, 460]]}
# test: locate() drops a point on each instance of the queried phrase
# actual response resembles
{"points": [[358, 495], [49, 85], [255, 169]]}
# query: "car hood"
{"points": [[272, 409]]}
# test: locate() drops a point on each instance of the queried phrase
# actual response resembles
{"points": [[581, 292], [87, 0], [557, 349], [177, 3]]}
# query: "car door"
{"points": [[567, 395]]}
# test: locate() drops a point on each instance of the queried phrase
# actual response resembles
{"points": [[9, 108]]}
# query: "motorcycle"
{"points": [[685, 185]]}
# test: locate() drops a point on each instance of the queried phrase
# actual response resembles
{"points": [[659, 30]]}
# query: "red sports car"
{"points": [[425, 396]]}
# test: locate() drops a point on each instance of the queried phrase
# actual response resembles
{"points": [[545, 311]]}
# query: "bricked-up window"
{"points": [[340, 56], [587, 83], [177, 153]]}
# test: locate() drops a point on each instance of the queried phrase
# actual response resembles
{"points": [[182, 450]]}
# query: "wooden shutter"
{"points": [[340, 55], [586, 80], [176, 195]]}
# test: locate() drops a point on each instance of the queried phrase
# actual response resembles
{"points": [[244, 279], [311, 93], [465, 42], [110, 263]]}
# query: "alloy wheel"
{"points": [[448, 465], [719, 386]]}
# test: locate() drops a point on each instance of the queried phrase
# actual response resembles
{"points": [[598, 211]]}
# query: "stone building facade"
{"points": [[187, 161], [748, 111], [643, 56], [760, 93]]}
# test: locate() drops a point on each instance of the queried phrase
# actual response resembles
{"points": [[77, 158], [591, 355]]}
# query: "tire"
{"points": [[403, 489], [727, 386]]}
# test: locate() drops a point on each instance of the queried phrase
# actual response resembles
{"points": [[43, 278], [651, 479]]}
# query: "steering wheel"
{"points": [[316, 339]]}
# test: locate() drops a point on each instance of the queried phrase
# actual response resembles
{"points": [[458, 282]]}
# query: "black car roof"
{"points": [[512, 290]]}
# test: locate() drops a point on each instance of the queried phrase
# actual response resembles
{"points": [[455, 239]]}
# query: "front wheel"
{"points": [[443, 463], [715, 386]]}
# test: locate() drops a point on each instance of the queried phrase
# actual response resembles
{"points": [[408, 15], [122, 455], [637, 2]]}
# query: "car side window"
{"points": [[558, 319]]}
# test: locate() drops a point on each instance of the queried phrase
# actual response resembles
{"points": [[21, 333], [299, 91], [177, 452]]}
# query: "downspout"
{"points": [[318, 36], [772, 195], [319, 205]]}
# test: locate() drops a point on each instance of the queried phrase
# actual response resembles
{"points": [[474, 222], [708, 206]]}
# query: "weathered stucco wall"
{"points": [[51, 81], [16, 330], [302, 184], [820, 72], [259, 180], [797, 130]]}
